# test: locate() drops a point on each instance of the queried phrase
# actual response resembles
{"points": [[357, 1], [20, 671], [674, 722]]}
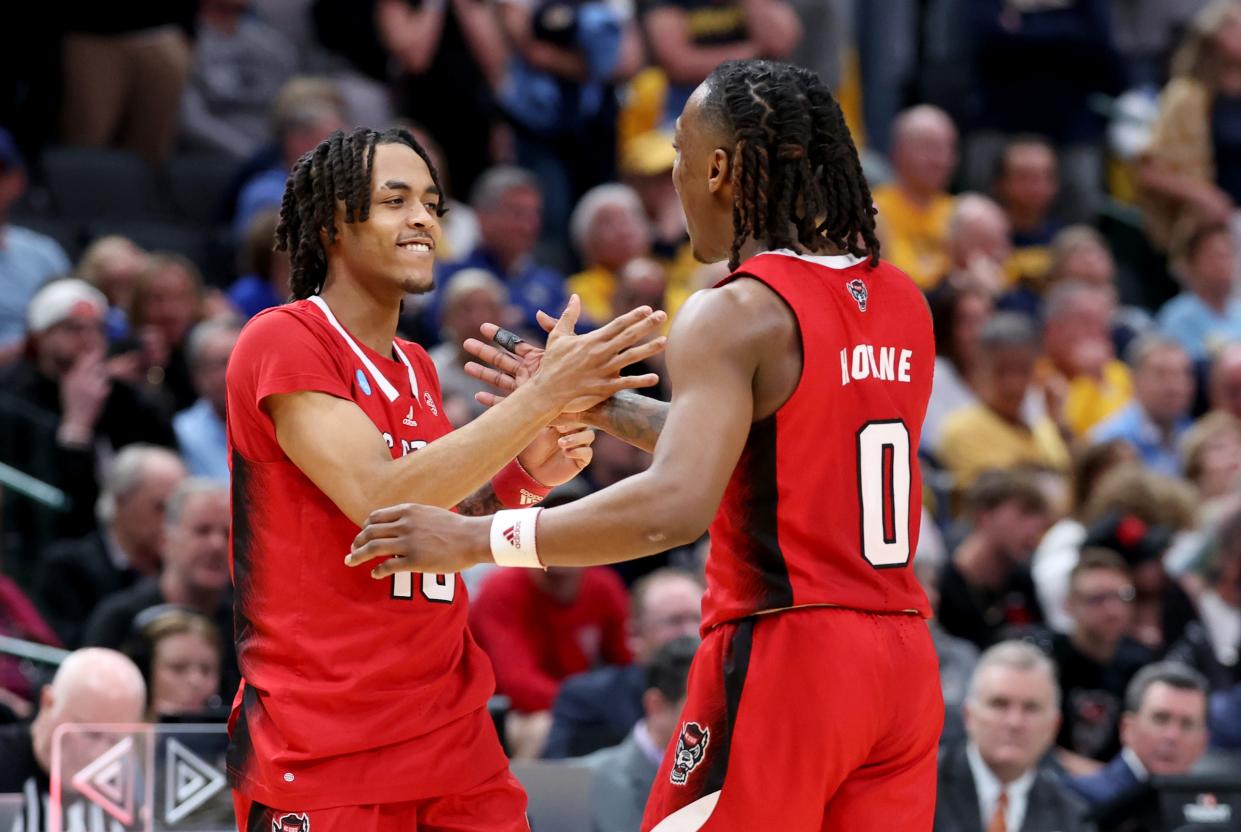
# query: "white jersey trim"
{"points": [[690, 818], [380, 380], [831, 261]]}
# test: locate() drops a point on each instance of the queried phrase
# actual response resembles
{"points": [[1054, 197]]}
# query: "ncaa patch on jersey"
{"points": [[363, 382]]}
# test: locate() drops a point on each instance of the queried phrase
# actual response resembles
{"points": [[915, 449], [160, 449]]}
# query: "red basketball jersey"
{"points": [[345, 677], [824, 505]]}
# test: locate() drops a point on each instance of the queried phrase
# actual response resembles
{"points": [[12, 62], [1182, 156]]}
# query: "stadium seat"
{"points": [[93, 183], [198, 183], [66, 232]]}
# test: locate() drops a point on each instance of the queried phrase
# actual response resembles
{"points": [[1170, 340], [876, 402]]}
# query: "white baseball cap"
{"points": [[61, 300]]}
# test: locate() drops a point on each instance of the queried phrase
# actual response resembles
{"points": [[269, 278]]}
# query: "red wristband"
{"points": [[515, 487]]}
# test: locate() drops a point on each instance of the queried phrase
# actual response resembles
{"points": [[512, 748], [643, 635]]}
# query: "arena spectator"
{"points": [[646, 166], [75, 575], [1163, 732], [27, 259], [92, 687], [914, 208], [1211, 451], [1085, 381], [1098, 658], [1026, 183], [1207, 314], [509, 203], [240, 63], [1158, 417], [958, 313], [979, 244], [114, 265], [124, 70], [1224, 381], [985, 589], [179, 654], [996, 781], [195, 576], [474, 298], [167, 302], [623, 774], [264, 280], [598, 708], [200, 427], [608, 229], [62, 415], [994, 432]]}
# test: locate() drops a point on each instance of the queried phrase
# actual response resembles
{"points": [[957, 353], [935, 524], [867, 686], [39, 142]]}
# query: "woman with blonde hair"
{"points": [[1191, 169]]}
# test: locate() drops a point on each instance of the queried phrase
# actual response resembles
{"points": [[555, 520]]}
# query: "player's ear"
{"points": [[719, 172]]}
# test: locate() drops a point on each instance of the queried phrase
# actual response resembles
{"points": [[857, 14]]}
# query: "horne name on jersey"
{"points": [[865, 361]]}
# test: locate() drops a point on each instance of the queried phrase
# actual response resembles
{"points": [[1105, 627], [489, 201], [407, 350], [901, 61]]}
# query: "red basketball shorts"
{"points": [[495, 805], [810, 719]]}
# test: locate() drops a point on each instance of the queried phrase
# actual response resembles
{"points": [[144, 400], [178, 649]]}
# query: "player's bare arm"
{"points": [[336, 445], [718, 391], [630, 417]]}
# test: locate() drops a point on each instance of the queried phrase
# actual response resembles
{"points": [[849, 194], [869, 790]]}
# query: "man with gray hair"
{"points": [[995, 783], [508, 201], [200, 427], [1163, 732], [978, 243], [195, 576], [1163, 393], [74, 575], [609, 229], [92, 686], [475, 297]]}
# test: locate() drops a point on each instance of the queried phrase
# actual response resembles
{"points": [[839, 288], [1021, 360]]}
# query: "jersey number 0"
{"points": [[883, 492]]}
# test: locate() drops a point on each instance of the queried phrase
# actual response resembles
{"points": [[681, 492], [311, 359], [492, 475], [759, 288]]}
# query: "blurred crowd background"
{"points": [[1061, 177]]}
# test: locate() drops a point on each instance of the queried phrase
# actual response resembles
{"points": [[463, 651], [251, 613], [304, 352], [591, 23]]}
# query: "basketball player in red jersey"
{"points": [[363, 706], [799, 385]]}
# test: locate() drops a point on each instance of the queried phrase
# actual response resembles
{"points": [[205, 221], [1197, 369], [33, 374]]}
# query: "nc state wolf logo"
{"points": [[858, 289], [691, 746], [291, 823]]}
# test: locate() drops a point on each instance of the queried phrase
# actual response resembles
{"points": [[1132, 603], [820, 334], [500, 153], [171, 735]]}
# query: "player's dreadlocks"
{"points": [[339, 169], [794, 163]]}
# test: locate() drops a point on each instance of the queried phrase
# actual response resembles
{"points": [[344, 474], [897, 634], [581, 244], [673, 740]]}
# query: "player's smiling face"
{"points": [[701, 174], [396, 245]]}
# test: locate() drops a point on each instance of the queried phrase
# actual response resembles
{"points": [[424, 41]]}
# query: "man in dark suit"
{"points": [[1163, 732], [623, 774], [74, 575], [994, 783], [597, 709]]}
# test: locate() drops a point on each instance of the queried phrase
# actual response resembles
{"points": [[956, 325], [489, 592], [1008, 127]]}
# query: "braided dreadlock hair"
{"points": [[797, 180], [339, 169]]}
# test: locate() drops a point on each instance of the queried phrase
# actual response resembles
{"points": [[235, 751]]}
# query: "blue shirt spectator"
{"points": [[200, 436], [1206, 315], [265, 272]]}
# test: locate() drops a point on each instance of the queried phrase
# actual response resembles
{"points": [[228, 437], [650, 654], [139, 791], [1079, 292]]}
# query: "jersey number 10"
{"points": [[437, 588], [883, 492]]}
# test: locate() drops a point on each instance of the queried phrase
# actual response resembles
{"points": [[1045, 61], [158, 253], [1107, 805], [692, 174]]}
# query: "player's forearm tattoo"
{"points": [[634, 418], [482, 502]]}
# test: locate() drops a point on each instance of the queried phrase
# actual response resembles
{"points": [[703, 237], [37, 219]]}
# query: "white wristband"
{"points": [[513, 533]]}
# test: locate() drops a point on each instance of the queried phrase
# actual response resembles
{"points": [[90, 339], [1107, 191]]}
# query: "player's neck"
{"points": [[369, 318], [754, 247]]}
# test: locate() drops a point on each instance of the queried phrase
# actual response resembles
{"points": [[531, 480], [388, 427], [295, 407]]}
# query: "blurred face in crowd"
{"points": [[1164, 384], [118, 265], [1028, 183], [1012, 717], [1169, 732], [1015, 529], [59, 346], [671, 607], [471, 310], [1226, 381], [139, 519], [1228, 42], [1219, 464], [210, 367], [510, 228], [1213, 265], [641, 281], [196, 550], [925, 152], [393, 252], [171, 303], [305, 135], [616, 236], [106, 692], [1101, 605], [1006, 375], [1078, 340], [982, 232], [1091, 264], [185, 673], [973, 309]]}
